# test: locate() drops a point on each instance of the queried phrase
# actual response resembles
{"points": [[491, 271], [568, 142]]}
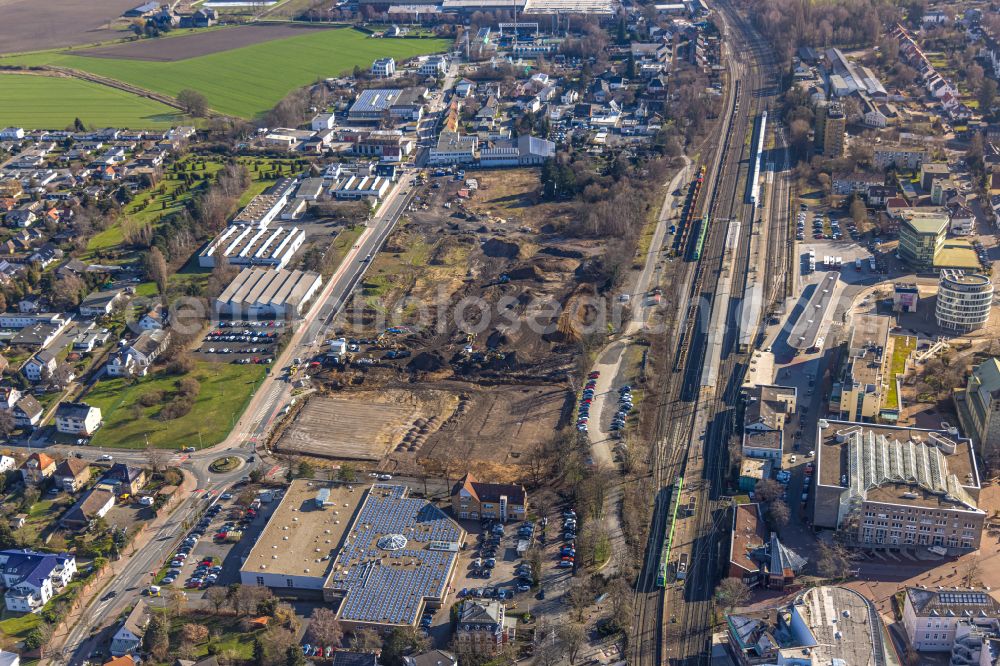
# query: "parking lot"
{"points": [[212, 551], [242, 341]]}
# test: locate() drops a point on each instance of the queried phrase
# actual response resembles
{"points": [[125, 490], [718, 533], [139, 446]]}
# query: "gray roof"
{"points": [[375, 100], [73, 410], [268, 286]]}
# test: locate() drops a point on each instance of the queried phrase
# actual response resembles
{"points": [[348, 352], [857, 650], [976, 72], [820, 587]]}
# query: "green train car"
{"points": [[668, 537], [699, 240]]}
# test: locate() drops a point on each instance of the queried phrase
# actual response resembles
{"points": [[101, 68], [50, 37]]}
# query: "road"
{"points": [[250, 431]]}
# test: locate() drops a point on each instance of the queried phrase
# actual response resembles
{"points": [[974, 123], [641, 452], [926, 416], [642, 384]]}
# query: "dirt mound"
{"points": [[561, 252], [495, 247], [524, 273], [426, 362]]}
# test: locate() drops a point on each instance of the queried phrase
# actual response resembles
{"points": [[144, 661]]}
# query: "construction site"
{"points": [[460, 340]]}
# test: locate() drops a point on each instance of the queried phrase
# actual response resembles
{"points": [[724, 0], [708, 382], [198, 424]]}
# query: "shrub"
{"points": [[151, 398]]}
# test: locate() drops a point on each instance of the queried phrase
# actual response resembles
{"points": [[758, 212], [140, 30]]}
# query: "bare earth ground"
{"points": [[362, 425], [196, 44], [35, 25], [501, 427]]}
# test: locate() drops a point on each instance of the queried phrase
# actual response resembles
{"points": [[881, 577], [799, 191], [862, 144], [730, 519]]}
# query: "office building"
{"points": [[895, 487], [935, 618], [921, 237], [860, 393], [978, 406], [964, 301]]}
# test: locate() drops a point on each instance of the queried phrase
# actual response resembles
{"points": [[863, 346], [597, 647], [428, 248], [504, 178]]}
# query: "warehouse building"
{"points": [[379, 556], [262, 210], [253, 246], [895, 487], [267, 293], [375, 104], [361, 187]]}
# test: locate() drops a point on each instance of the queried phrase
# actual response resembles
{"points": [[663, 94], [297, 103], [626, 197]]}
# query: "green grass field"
{"points": [[250, 80], [225, 390], [46, 102]]}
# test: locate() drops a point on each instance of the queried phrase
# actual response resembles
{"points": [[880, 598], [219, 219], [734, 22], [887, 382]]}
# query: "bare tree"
{"points": [[217, 597], [732, 592], [767, 490], [778, 515], [578, 596], [156, 458], [572, 636], [971, 571], [156, 269], [324, 628]]}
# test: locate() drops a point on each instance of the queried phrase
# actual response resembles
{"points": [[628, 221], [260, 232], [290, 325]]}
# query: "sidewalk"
{"points": [[142, 539]]}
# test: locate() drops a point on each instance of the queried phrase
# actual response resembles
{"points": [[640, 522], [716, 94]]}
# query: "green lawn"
{"points": [[156, 203], [902, 347], [246, 81], [48, 102], [225, 390]]}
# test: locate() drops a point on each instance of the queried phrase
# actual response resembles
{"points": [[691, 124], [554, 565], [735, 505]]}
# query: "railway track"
{"points": [[694, 424]]}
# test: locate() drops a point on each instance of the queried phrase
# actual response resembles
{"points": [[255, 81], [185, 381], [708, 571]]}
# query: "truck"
{"points": [[232, 536], [682, 567], [857, 264]]}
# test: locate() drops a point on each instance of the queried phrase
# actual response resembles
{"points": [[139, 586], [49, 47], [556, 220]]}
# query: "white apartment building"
{"points": [[384, 68], [931, 616]]}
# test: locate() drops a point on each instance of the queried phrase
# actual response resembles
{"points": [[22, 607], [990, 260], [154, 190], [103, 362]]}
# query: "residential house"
{"points": [[128, 660], [72, 474], [432, 658], [39, 366], [46, 255], [128, 638], [101, 303], [433, 66], [134, 359], [27, 412], [349, 658], [37, 468], [384, 68], [93, 505], [77, 418], [472, 499], [31, 578], [9, 397], [483, 628], [154, 320], [125, 478]]}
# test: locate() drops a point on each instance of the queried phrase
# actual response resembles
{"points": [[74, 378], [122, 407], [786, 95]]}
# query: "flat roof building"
{"points": [[964, 301], [895, 487], [379, 555], [921, 236], [253, 246], [268, 293], [823, 625], [860, 393], [979, 410]]}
